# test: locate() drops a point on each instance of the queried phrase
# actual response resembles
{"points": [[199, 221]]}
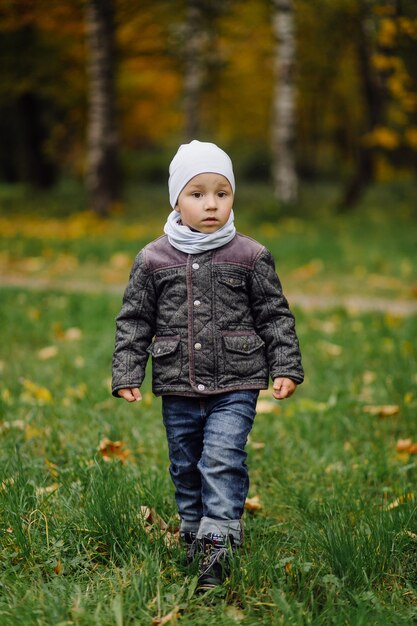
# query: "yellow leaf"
{"points": [[410, 534], [331, 349], [308, 270], [407, 497], [18, 424], [120, 261], [257, 445], [36, 392], [368, 378], [265, 406], [40, 491], [6, 396], [383, 138], [253, 504], [171, 616], [52, 468], [387, 410], [31, 432], [235, 613], [406, 445], [72, 334], [410, 135], [113, 450], [47, 353]]}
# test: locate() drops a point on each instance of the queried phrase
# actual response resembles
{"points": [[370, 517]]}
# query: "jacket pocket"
{"points": [[166, 359], [232, 280], [244, 355]]}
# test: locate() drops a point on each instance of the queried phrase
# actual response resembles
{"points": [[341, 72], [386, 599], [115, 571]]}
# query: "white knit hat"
{"points": [[197, 157]]}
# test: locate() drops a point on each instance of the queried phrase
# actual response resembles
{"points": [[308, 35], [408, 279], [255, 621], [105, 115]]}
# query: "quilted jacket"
{"points": [[213, 322]]}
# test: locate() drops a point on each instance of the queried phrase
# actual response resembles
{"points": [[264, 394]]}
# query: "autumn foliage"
{"points": [[332, 79]]}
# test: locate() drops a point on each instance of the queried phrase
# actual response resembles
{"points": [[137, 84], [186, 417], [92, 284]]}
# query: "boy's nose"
{"points": [[210, 202]]}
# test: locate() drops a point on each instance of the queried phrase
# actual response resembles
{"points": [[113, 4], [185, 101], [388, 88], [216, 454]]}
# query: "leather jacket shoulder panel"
{"points": [[160, 254]]}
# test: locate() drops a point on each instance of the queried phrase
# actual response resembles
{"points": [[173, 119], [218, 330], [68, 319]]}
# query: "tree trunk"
{"points": [[33, 164], [283, 124], [193, 68], [373, 98], [102, 175]]}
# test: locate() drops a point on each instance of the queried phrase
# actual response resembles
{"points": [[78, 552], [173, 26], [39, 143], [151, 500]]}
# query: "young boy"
{"points": [[206, 303]]}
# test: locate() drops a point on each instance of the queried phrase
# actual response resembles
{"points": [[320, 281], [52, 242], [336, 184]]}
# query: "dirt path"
{"points": [[307, 302]]}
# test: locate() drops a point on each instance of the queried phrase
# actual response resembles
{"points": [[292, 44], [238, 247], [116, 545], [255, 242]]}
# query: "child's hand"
{"points": [[131, 395], [283, 388]]}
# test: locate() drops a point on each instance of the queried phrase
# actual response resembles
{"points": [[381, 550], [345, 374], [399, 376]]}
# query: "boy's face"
{"points": [[206, 202]]}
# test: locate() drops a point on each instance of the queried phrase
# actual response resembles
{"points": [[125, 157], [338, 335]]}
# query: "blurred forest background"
{"points": [[103, 91], [316, 103]]}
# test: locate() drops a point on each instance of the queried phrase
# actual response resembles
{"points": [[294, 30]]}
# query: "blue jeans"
{"points": [[206, 442]]}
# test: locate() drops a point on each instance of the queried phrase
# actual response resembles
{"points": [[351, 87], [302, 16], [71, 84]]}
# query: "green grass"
{"points": [[324, 549], [335, 541], [369, 251]]}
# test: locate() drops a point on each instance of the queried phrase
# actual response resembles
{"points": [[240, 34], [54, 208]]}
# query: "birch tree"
{"points": [[194, 69], [283, 124], [102, 175]]}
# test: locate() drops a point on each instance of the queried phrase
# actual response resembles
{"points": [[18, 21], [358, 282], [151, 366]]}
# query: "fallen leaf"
{"points": [[331, 349], [407, 445], [113, 450], [40, 491], [31, 432], [336, 467], [18, 424], [153, 522], [47, 353], [79, 361], [58, 568], [35, 392], [314, 267], [151, 518], [410, 534], [387, 410], [368, 377], [235, 613], [53, 468], [265, 406], [72, 334], [407, 497], [120, 261], [172, 615], [257, 445], [404, 444], [253, 504]]}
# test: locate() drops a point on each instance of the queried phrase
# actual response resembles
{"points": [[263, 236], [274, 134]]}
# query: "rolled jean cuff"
{"points": [[226, 527], [188, 526]]}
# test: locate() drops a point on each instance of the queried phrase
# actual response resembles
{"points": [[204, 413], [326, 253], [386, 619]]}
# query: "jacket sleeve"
{"points": [[135, 328], [274, 321]]}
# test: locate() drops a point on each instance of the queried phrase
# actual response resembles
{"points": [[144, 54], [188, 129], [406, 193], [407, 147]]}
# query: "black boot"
{"points": [[215, 564], [192, 545]]}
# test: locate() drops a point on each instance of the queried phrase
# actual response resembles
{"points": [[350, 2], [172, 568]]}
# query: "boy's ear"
{"points": [[177, 208]]}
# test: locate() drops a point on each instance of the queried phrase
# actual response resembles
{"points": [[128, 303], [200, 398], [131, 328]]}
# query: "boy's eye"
{"points": [[196, 194], [222, 194]]}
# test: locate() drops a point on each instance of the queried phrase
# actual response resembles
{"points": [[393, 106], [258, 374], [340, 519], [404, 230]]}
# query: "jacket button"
{"points": [[197, 302], [200, 387], [197, 346], [195, 266]]}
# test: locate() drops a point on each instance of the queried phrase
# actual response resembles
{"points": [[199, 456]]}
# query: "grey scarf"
{"points": [[192, 241]]}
